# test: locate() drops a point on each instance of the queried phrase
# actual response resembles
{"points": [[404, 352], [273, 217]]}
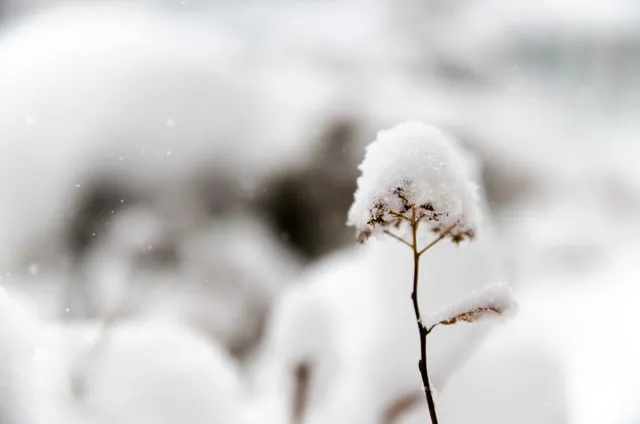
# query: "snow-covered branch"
{"points": [[493, 300]]}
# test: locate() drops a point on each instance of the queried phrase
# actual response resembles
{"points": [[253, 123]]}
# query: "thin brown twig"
{"points": [[400, 216], [397, 237], [437, 240], [422, 330]]}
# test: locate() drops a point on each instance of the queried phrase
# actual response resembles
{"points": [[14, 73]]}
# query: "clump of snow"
{"points": [[494, 299], [414, 166]]}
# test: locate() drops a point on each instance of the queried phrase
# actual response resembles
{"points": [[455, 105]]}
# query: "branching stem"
{"points": [[400, 216], [397, 237], [433, 243], [423, 331]]}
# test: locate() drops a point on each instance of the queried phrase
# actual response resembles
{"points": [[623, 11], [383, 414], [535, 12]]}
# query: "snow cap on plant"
{"points": [[414, 168]]}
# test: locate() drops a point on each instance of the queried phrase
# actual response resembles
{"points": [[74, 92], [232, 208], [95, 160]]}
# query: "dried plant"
{"points": [[414, 177]]}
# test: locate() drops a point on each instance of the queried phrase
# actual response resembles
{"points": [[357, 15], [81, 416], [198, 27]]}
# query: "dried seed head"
{"points": [[414, 171]]}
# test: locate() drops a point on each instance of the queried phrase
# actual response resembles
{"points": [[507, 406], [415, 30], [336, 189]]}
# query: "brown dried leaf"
{"points": [[474, 315]]}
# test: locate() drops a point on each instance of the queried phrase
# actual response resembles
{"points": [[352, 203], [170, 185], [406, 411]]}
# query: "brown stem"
{"points": [[436, 241], [422, 330], [397, 237], [400, 216]]}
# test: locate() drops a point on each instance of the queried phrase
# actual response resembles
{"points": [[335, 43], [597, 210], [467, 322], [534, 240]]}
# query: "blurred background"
{"points": [[175, 177]]}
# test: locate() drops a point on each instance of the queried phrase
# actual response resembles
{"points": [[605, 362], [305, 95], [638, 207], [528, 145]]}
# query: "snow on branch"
{"points": [[415, 171], [493, 300]]}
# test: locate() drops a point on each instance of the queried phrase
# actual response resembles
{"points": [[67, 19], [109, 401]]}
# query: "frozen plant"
{"points": [[416, 180]]}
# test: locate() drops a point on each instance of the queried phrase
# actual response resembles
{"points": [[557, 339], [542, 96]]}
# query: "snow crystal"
{"points": [[492, 300], [414, 166]]}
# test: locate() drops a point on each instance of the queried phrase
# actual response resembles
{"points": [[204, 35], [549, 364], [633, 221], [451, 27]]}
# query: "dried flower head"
{"points": [[414, 170]]}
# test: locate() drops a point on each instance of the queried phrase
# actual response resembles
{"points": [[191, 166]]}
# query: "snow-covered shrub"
{"points": [[413, 177]]}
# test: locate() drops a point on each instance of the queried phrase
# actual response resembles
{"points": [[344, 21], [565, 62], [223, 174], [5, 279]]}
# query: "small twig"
{"points": [[444, 234], [397, 237], [471, 315], [422, 330], [400, 216]]}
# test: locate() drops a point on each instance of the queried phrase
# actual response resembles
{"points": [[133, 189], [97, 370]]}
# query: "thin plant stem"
{"points": [[422, 330], [400, 216], [397, 237], [437, 240]]}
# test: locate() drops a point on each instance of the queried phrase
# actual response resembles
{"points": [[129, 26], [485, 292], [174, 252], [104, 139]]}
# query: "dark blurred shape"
{"points": [[309, 207], [222, 192], [101, 200], [502, 184]]}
